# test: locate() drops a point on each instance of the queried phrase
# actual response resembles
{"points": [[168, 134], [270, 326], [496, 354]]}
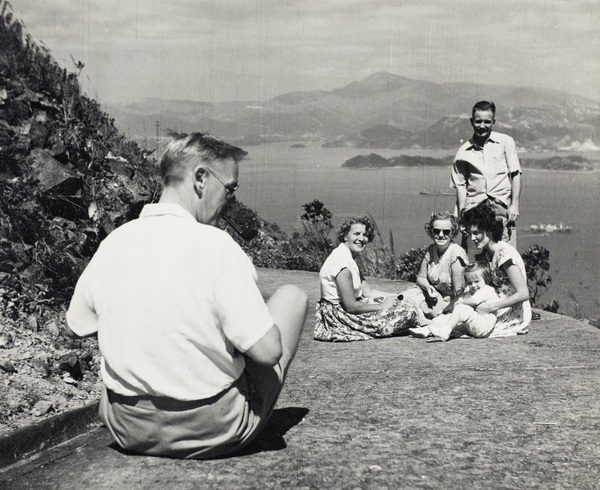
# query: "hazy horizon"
{"points": [[217, 51], [466, 111]]}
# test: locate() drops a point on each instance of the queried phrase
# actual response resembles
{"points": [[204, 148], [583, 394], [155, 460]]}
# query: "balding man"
{"points": [[193, 359]]}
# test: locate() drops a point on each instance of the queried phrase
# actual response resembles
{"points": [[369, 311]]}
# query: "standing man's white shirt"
{"points": [[486, 172]]}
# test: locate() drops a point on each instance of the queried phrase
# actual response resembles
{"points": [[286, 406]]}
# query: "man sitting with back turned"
{"points": [[487, 168], [193, 360]]}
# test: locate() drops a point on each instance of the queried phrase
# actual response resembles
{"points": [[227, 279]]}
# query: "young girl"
{"points": [[465, 318]]}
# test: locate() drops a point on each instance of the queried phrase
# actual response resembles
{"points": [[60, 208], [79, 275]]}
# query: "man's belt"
{"points": [[497, 201]]}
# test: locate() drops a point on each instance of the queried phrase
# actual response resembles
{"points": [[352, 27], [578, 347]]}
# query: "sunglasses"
{"points": [[229, 188], [484, 121], [437, 231]]}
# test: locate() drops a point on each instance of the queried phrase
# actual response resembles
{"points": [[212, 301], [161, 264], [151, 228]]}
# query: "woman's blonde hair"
{"points": [[442, 216]]}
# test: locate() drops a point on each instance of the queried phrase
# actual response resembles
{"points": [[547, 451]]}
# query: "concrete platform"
{"points": [[517, 412]]}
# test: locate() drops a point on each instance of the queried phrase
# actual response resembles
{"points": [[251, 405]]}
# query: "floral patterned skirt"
{"points": [[513, 321], [334, 324]]}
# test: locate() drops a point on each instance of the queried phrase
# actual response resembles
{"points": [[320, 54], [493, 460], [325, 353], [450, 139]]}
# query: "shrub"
{"points": [[537, 265], [379, 259], [408, 264], [316, 222]]}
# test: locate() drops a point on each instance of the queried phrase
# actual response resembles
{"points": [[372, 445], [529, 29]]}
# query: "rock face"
{"points": [[68, 178], [60, 155]]}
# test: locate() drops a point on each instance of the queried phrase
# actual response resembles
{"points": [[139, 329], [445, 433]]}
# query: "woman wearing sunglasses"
{"points": [[440, 278]]}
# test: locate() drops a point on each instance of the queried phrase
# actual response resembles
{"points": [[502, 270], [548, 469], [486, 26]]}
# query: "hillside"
{"points": [[68, 178], [381, 111]]}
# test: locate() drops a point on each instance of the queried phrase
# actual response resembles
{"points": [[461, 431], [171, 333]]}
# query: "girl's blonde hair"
{"points": [[480, 268]]}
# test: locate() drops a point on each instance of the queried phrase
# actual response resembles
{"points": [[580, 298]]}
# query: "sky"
{"points": [[220, 50]]}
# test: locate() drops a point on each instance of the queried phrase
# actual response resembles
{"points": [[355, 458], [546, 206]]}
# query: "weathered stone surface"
{"points": [[41, 367], [71, 364], [38, 134], [6, 340], [8, 367], [41, 408], [48, 171], [57, 149], [517, 412]]}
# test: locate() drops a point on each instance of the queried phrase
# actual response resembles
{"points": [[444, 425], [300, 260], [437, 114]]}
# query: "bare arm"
{"points": [[268, 349], [474, 299], [518, 282], [423, 281], [513, 210], [343, 281], [461, 199], [460, 178], [458, 277]]}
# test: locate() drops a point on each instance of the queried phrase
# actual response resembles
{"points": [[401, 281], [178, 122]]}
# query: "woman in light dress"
{"points": [[440, 278], [349, 308]]}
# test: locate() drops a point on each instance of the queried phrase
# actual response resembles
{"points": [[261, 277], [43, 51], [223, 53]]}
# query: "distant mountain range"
{"points": [[381, 111]]}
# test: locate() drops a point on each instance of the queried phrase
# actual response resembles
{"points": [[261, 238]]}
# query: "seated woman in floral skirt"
{"points": [[349, 308]]}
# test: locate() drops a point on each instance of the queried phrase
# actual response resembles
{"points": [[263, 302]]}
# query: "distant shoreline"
{"points": [[583, 171], [567, 163]]}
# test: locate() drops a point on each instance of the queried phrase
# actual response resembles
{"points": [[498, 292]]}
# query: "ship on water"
{"points": [[550, 228]]}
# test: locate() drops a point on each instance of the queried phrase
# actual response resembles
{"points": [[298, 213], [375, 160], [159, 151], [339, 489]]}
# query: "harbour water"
{"points": [[276, 180]]}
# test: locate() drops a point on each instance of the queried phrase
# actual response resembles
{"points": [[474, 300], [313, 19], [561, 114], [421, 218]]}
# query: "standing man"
{"points": [[487, 168], [193, 359]]}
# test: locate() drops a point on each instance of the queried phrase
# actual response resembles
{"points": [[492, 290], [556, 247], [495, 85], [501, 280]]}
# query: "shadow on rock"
{"points": [[271, 437]]}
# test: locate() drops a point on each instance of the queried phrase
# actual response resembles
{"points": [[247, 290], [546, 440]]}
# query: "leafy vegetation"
{"points": [[67, 176], [537, 265]]}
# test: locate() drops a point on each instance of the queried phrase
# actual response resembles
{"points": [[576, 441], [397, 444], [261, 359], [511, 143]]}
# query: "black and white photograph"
{"points": [[299, 244]]}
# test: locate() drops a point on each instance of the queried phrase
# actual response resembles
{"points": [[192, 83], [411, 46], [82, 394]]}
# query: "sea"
{"points": [[278, 178]]}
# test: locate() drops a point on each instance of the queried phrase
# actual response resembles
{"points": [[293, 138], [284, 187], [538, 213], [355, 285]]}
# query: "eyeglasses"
{"points": [[484, 121], [437, 231], [229, 188]]}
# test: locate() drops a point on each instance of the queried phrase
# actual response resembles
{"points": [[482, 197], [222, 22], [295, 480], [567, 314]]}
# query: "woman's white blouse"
{"points": [[340, 258]]}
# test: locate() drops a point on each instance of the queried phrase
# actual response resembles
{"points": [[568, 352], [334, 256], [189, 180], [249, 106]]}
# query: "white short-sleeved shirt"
{"points": [[174, 303], [340, 258], [486, 171], [486, 293]]}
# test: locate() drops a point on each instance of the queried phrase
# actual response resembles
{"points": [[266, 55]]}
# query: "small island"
{"points": [[561, 163], [373, 160]]}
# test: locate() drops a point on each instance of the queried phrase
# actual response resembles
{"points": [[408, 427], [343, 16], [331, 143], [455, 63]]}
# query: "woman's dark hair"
{"points": [[484, 218], [442, 216], [363, 220]]}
